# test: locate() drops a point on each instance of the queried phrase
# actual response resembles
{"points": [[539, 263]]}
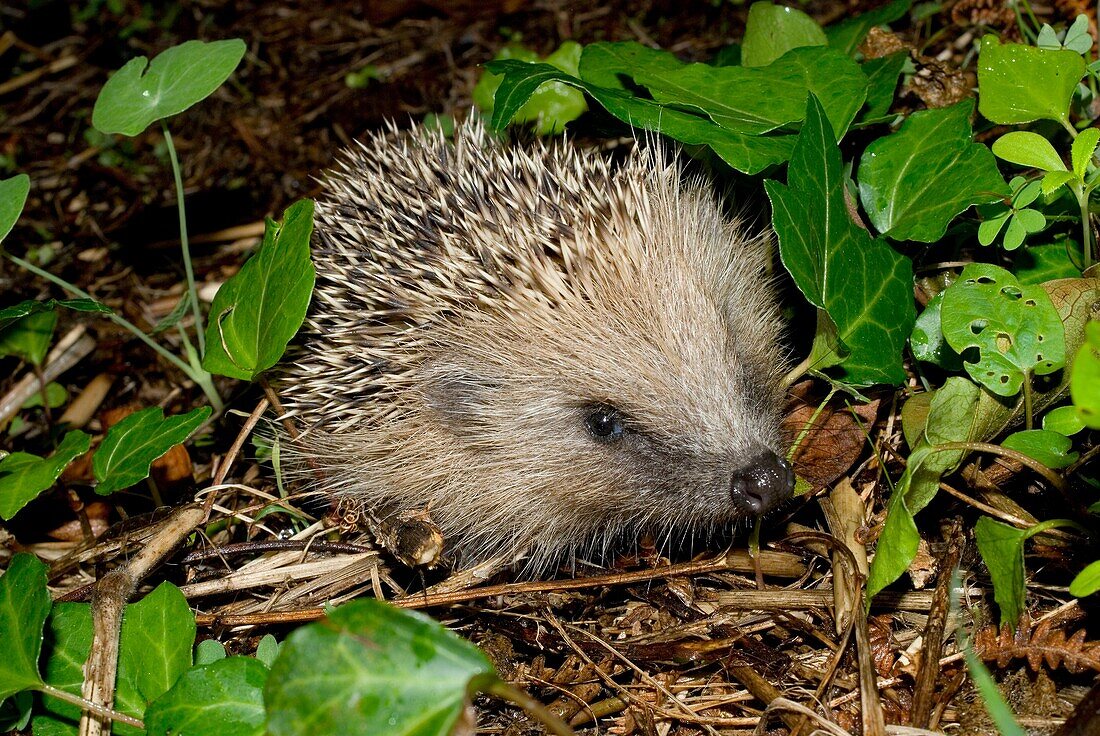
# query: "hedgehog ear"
{"points": [[456, 395]]}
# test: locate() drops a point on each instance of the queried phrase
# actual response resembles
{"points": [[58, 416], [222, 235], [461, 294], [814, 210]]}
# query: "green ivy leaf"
{"points": [[68, 641], [158, 633], [13, 196], [1020, 84], [1048, 447], [135, 97], [223, 698], [773, 30], [131, 446], [1015, 329], [863, 284], [29, 338], [371, 668], [761, 99], [24, 605], [912, 183], [256, 313], [23, 476], [1028, 149], [1084, 382], [745, 153], [155, 644]]}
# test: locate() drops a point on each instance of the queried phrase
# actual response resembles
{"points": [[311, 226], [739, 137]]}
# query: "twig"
{"points": [[108, 602], [934, 631]]}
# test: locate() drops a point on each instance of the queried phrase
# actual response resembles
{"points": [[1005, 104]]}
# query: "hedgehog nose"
{"points": [[761, 486]]}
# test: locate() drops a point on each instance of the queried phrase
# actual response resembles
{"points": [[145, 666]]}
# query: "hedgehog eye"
{"points": [[604, 422]]}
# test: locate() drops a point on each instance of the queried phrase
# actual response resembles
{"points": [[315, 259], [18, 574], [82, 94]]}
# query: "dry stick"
{"points": [[235, 449], [115, 588], [774, 563], [35, 74], [70, 350], [109, 600], [844, 559], [874, 722], [934, 631]]}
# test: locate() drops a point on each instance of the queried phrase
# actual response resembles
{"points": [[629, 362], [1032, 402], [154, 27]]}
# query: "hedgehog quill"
{"points": [[545, 352]]}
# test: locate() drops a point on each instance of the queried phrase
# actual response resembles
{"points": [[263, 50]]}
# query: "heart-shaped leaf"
{"points": [[1019, 84], [223, 698], [135, 97]]}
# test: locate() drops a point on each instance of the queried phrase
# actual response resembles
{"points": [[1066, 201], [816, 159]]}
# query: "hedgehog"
{"points": [[545, 351]]}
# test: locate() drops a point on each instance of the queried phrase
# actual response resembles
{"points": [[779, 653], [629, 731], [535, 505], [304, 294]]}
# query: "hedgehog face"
{"points": [[598, 421]]}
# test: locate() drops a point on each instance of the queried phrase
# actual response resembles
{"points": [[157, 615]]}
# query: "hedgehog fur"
{"points": [[542, 350]]}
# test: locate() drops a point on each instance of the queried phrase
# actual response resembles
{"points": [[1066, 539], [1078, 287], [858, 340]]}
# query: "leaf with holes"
{"points": [[1014, 329]]}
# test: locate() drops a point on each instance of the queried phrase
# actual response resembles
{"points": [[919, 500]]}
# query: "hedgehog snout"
{"points": [[762, 485]]}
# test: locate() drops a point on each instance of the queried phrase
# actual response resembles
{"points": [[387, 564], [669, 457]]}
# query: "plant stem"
{"points": [[553, 724], [1086, 223], [1055, 479], [797, 372], [88, 705], [192, 292], [1029, 420], [126, 325], [809, 423]]}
